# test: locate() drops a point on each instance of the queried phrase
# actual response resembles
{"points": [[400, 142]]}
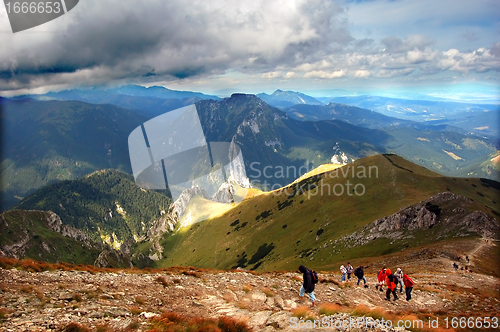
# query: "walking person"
{"points": [[360, 273], [391, 285], [308, 284], [350, 270], [408, 286], [399, 275], [343, 270], [381, 279]]}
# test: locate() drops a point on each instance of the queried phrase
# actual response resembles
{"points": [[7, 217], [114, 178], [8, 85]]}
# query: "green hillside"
{"points": [[29, 231], [283, 229], [107, 206]]}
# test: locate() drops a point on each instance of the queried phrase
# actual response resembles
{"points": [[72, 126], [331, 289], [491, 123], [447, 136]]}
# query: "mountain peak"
{"points": [[242, 95]]}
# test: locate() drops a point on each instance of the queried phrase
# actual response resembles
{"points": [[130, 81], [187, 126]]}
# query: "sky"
{"points": [[446, 48]]}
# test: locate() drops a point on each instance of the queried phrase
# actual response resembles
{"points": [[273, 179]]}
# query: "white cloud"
{"points": [[361, 74], [325, 74]]}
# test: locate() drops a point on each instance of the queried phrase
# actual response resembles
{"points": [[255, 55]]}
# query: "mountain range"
{"points": [[479, 119], [54, 140], [374, 206], [387, 184]]}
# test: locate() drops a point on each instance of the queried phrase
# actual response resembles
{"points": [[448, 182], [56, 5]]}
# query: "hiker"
{"points": [[390, 280], [308, 285], [343, 270], [350, 270], [399, 275], [360, 273], [408, 286], [455, 266], [381, 278], [467, 258]]}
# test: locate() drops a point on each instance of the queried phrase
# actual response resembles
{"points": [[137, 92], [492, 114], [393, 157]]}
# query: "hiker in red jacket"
{"points": [[391, 285], [381, 278], [408, 286]]}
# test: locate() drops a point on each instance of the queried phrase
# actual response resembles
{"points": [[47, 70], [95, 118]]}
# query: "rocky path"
{"points": [[45, 301]]}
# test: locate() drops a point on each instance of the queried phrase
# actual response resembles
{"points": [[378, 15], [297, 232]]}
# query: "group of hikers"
{"points": [[461, 268], [384, 277]]}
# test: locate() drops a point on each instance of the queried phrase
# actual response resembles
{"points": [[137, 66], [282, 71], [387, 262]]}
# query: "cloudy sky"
{"points": [[221, 46]]}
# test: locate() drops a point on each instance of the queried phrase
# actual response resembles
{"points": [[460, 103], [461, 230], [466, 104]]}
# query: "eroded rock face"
{"points": [[54, 223], [456, 212], [178, 207], [18, 248]]}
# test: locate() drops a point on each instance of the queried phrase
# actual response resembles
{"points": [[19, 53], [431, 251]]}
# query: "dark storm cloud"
{"points": [[178, 39], [107, 40]]}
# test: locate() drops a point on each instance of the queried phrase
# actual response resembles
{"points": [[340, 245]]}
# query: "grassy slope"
{"points": [[103, 203], [305, 226]]}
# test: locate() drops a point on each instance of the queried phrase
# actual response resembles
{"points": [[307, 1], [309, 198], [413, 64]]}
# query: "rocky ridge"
{"points": [[54, 223], [444, 209]]}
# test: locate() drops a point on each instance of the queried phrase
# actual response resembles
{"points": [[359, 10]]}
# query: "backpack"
{"points": [[315, 278], [357, 272]]}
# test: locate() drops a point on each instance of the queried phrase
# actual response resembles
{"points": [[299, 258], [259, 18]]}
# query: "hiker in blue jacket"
{"points": [[308, 285]]}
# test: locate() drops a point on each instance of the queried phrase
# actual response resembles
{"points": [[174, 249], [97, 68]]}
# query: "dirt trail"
{"points": [[485, 243], [43, 301]]}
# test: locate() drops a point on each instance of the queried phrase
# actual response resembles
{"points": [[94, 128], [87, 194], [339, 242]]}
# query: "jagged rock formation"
{"points": [[177, 208], [454, 212], [55, 224], [339, 157]]}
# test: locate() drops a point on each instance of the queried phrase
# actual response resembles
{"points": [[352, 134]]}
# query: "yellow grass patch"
{"points": [[451, 154]]}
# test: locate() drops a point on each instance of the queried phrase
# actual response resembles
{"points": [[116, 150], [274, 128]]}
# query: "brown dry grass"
{"points": [[329, 309], [176, 323], [301, 312]]}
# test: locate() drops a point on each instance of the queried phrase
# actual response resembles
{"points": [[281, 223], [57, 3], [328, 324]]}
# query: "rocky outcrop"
{"points": [[54, 223], [17, 249], [456, 212], [177, 208], [23, 238], [112, 258]]}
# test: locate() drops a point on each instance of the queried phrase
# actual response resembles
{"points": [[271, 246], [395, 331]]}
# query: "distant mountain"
{"points": [[99, 94], [149, 102], [350, 114], [270, 140], [480, 119], [159, 92], [47, 141], [282, 99], [384, 202], [41, 235]]}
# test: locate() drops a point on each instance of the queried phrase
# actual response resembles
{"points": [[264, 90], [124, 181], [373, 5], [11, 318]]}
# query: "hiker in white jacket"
{"points": [[343, 270], [399, 274]]}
